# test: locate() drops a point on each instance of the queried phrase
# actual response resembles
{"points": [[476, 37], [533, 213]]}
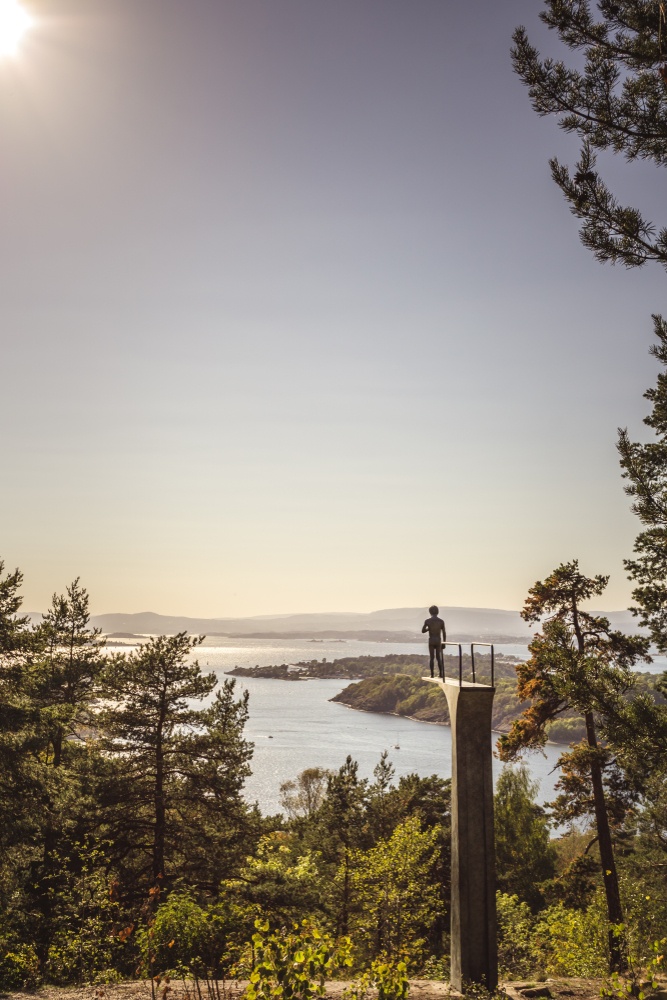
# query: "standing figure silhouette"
{"points": [[437, 634]]}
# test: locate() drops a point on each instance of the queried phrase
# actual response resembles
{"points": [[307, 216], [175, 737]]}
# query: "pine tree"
{"points": [[63, 680], [645, 472], [639, 729], [20, 786], [66, 675], [173, 805], [13, 627], [341, 828], [617, 103], [577, 662]]}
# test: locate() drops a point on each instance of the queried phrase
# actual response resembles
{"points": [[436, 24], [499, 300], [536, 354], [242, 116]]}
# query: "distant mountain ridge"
{"points": [[461, 623]]}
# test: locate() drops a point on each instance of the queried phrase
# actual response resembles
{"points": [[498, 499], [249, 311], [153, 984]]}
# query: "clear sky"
{"points": [[293, 317]]}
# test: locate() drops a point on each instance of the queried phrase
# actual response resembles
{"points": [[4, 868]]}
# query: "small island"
{"points": [[343, 668]]}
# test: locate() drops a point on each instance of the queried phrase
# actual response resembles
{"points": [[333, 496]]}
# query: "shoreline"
{"points": [[425, 722]]}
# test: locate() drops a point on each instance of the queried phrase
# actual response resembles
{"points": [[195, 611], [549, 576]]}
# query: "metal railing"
{"points": [[459, 646], [460, 649], [472, 659]]}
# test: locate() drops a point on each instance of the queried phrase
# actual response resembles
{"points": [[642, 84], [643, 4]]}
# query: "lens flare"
{"points": [[14, 22]]}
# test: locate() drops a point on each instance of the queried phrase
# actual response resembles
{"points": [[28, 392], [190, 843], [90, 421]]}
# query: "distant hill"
{"points": [[462, 624]]}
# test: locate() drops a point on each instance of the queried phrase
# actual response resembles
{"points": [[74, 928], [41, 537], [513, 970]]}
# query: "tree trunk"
{"points": [[344, 917], [160, 822], [43, 886], [617, 952], [58, 747]]}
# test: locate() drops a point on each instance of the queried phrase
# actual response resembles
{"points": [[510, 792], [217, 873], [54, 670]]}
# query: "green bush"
{"points": [[386, 979], [89, 938], [19, 968], [517, 958], [572, 942], [187, 939], [294, 965], [559, 941]]}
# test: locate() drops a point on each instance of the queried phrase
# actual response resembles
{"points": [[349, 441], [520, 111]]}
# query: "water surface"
{"points": [[294, 725]]}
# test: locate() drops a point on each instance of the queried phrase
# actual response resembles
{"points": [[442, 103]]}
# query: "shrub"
{"points": [[187, 939], [19, 968], [294, 965], [86, 944], [572, 942], [386, 979], [516, 931]]}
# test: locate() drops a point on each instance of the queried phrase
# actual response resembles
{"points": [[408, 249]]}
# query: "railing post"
{"points": [[472, 657]]}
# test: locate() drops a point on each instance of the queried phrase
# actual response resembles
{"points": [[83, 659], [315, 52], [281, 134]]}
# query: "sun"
{"points": [[14, 22]]}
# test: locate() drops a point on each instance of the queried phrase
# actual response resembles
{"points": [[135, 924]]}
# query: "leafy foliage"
{"points": [[517, 952], [189, 939], [86, 913], [296, 964], [303, 797], [395, 900], [525, 858], [386, 979], [277, 883]]}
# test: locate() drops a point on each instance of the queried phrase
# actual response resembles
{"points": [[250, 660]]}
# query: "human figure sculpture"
{"points": [[437, 634]]}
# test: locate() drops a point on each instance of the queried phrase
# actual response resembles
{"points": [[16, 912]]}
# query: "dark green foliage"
{"points": [[86, 917], [177, 770], [617, 102], [281, 881], [189, 937], [576, 881], [20, 772], [13, 627], [525, 857], [639, 731], [62, 679], [645, 472], [343, 667]]}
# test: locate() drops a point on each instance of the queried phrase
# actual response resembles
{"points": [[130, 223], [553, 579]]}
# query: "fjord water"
{"points": [[294, 725]]}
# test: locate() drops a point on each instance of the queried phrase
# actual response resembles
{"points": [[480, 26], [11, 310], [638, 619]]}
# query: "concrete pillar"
{"points": [[474, 949]]}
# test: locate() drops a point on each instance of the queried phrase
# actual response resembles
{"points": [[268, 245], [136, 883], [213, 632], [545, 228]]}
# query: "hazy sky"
{"points": [[293, 317]]}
